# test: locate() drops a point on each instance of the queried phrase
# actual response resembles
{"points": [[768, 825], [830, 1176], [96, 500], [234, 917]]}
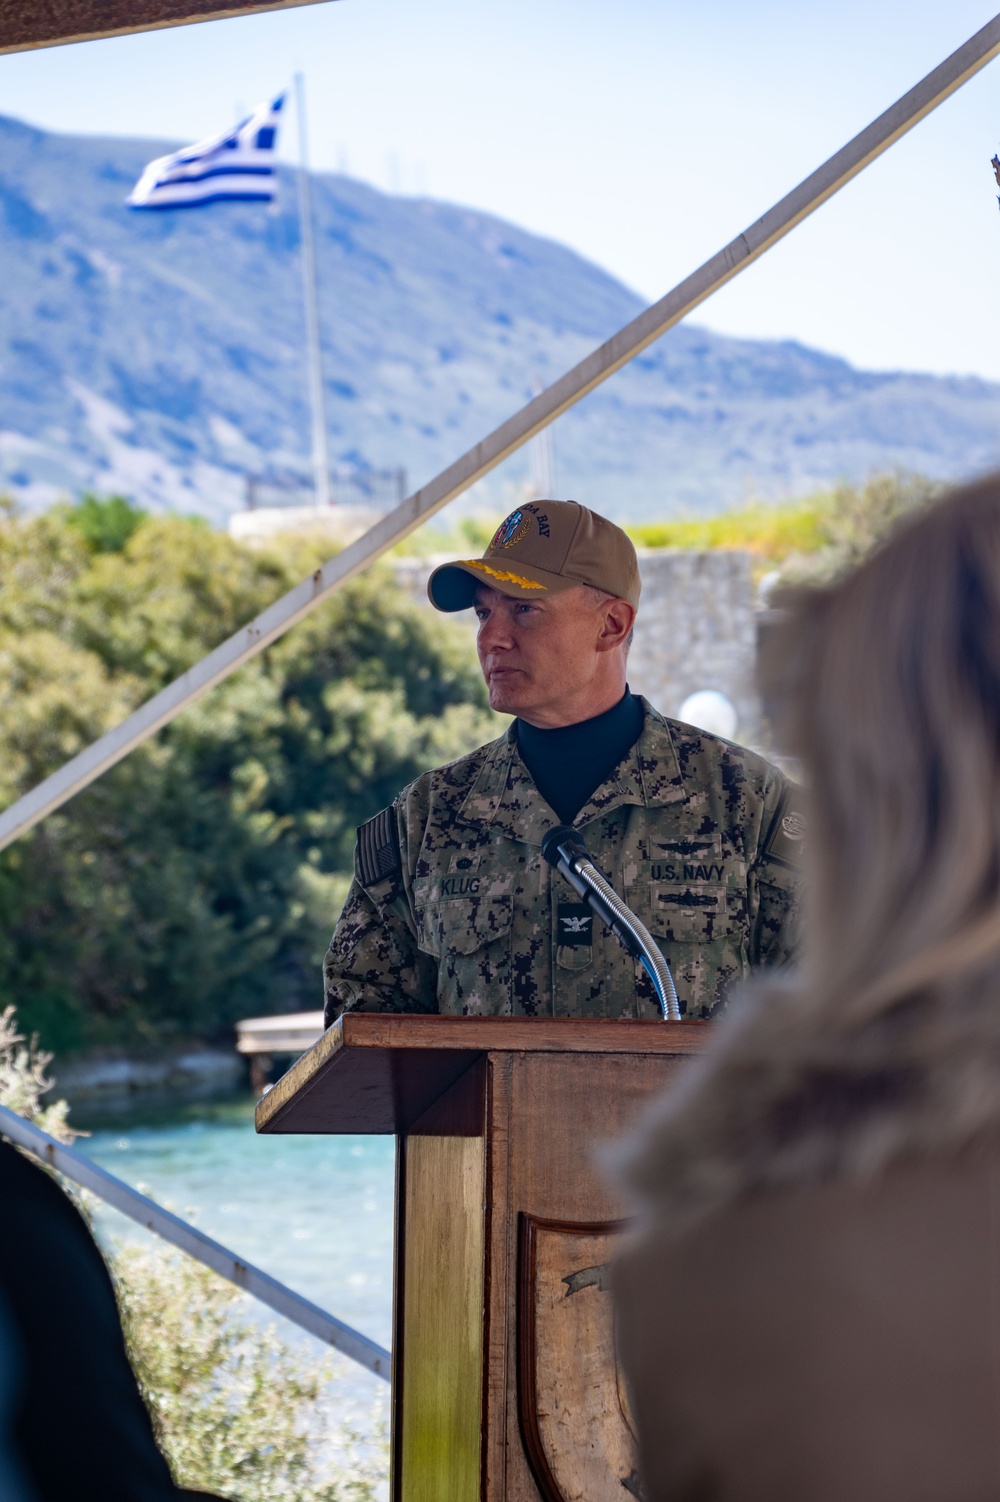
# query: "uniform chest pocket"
{"points": [[689, 912], [462, 925]]}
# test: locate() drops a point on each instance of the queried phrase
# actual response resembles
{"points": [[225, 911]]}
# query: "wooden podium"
{"points": [[505, 1385]]}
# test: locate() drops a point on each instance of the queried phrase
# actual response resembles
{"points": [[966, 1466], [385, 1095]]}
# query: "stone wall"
{"points": [[696, 629]]}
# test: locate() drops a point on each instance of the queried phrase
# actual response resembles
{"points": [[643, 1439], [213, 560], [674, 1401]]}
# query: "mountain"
{"points": [[161, 354]]}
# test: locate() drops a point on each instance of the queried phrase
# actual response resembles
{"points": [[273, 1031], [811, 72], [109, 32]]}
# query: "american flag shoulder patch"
{"points": [[378, 848]]}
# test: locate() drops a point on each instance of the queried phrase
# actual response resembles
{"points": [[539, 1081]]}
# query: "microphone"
{"points": [[563, 848]]}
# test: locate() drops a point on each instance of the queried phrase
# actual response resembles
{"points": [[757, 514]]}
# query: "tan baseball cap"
{"points": [[544, 547]]}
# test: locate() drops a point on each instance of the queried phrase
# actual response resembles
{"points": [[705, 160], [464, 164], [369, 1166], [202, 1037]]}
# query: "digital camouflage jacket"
{"points": [[454, 910]]}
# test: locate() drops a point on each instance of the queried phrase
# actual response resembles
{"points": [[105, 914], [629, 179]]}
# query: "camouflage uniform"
{"points": [[454, 910]]}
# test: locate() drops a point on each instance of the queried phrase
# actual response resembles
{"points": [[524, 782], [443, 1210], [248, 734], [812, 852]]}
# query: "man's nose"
{"points": [[494, 633]]}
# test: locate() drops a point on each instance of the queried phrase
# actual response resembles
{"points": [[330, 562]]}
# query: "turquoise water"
{"points": [[316, 1212]]}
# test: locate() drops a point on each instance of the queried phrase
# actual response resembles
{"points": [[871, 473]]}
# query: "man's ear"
{"points": [[619, 618]]}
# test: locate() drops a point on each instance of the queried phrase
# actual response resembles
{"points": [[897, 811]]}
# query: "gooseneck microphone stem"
{"points": [[563, 848]]}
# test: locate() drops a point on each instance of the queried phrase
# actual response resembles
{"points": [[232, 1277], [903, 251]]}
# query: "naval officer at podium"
{"points": [[453, 908]]}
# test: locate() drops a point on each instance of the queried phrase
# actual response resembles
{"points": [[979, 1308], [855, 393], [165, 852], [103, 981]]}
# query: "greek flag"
{"points": [[239, 166]]}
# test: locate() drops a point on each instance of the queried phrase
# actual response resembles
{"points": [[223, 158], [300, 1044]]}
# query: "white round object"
{"points": [[709, 710]]}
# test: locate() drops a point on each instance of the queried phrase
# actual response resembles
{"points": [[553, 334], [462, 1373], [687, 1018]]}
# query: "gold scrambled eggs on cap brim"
{"points": [[452, 586]]}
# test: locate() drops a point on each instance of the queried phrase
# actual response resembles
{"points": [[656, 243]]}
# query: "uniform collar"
{"points": [[505, 798]]}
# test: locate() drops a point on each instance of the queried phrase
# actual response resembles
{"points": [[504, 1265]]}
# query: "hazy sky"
{"points": [[644, 133]]}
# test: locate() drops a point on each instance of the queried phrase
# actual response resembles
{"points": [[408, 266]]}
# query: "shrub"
{"points": [[812, 538], [23, 1081], [769, 533], [855, 520], [235, 1409]]}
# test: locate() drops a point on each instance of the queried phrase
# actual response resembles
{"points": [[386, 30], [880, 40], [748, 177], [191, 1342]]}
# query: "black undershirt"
{"points": [[569, 764]]}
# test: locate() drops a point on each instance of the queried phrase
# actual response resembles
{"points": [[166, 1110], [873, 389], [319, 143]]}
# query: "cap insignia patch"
{"points": [[510, 531]]}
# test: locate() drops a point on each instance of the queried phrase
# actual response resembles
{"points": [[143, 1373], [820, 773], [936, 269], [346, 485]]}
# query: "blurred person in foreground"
{"points": [[810, 1310], [73, 1424]]}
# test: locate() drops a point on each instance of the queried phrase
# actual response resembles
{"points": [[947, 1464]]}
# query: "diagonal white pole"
{"points": [[189, 1239], [451, 482], [317, 398]]}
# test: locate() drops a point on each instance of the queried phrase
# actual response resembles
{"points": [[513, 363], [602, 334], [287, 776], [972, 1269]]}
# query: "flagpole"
{"points": [[320, 455]]}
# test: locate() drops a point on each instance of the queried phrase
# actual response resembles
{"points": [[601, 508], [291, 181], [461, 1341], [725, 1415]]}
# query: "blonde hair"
{"points": [[885, 1039], [891, 680]]}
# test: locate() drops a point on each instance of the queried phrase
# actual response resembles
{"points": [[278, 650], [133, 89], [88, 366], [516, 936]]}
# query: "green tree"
{"points": [[200, 879], [106, 524]]}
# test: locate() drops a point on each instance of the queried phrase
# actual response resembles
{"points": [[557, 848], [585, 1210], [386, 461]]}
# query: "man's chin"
{"points": [[505, 698]]}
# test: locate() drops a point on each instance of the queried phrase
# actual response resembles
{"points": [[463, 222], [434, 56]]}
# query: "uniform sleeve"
{"points": [[373, 963], [773, 877]]}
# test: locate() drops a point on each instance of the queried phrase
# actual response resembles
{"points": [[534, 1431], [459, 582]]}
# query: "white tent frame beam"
{"points": [[623, 346]]}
